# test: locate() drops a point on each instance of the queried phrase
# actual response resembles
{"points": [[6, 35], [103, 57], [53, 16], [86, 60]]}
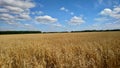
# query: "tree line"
{"points": [[96, 30], [33, 32], [19, 32]]}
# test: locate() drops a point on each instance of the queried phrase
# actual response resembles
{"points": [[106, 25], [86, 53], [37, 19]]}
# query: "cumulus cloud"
{"points": [[6, 16], [106, 11], [76, 20], [115, 13], [24, 4], [108, 14], [64, 9], [45, 19], [23, 16], [3, 10], [109, 18], [13, 10]]}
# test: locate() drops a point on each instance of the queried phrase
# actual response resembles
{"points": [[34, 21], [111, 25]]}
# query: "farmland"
{"points": [[60, 50]]}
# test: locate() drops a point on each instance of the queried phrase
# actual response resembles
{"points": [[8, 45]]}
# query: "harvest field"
{"points": [[60, 50]]}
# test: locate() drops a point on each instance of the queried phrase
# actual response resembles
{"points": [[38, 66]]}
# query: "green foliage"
{"points": [[30, 32], [19, 32]]}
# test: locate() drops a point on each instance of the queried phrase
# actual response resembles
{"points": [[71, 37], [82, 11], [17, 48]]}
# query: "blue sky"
{"points": [[59, 15]]}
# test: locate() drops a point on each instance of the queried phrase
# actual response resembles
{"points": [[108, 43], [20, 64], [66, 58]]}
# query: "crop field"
{"points": [[60, 50]]}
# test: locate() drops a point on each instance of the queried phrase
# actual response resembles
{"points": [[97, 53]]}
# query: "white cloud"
{"points": [[4, 10], [106, 11], [64, 9], [24, 4], [45, 19], [6, 17], [24, 16], [76, 20], [115, 13], [15, 9], [109, 18]]}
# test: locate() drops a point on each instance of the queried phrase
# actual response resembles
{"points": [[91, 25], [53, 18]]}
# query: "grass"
{"points": [[61, 50]]}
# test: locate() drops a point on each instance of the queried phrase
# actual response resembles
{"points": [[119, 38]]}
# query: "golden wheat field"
{"points": [[60, 50]]}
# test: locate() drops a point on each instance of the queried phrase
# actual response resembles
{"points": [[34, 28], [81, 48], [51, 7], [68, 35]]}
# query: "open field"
{"points": [[61, 50]]}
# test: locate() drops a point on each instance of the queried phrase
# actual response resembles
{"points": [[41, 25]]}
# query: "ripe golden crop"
{"points": [[61, 50]]}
